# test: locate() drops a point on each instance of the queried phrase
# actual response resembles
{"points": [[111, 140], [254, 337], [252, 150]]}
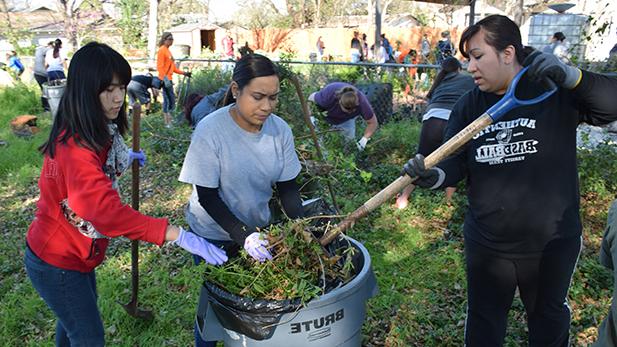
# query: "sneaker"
{"points": [[168, 126]]}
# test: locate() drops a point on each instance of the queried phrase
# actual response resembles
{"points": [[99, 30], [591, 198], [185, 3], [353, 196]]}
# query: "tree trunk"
{"points": [[152, 27], [70, 22], [317, 19], [384, 10], [517, 12]]}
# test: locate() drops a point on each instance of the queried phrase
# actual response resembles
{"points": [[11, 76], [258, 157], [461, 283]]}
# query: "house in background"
{"points": [[193, 39]]}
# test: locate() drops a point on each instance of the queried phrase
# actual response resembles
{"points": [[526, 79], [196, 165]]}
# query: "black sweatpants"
{"points": [[431, 135], [543, 281], [40, 79]]}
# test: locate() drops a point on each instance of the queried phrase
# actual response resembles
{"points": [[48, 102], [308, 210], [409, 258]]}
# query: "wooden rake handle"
{"points": [[135, 163], [445, 150]]}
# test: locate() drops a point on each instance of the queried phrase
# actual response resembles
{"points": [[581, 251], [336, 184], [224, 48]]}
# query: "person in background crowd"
{"points": [[228, 46], [228, 206], [139, 88], [449, 85], [522, 227], [55, 62], [166, 67], [356, 48], [388, 47], [425, 49], [445, 47], [381, 56], [40, 72], [411, 58], [558, 47], [15, 64], [342, 103], [319, 47], [79, 208], [245, 50], [198, 106], [364, 45]]}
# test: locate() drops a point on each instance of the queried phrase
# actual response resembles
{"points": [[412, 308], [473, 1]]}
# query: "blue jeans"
{"points": [[199, 342], [347, 128], [55, 75], [169, 98], [71, 295]]}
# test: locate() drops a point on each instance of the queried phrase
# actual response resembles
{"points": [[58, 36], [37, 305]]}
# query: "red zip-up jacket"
{"points": [[76, 173]]}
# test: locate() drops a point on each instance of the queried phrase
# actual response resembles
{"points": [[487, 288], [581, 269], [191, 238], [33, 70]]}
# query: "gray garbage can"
{"points": [[53, 91], [333, 319]]}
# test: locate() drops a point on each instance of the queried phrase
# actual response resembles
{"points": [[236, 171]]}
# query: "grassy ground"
{"points": [[416, 253]]}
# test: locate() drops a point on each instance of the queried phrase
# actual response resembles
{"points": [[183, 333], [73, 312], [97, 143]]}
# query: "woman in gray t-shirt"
{"points": [[237, 155]]}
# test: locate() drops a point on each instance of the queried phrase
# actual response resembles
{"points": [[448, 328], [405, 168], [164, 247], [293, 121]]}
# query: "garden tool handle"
{"points": [[135, 163], [135, 200], [510, 101], [390, 191]]}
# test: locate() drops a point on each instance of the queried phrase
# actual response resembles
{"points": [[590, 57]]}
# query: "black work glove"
{"points": [[431, 178], [188, 74], [546, 65]]}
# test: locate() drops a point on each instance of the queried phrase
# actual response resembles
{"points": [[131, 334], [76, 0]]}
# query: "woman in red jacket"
{"points": [[79, 208]]}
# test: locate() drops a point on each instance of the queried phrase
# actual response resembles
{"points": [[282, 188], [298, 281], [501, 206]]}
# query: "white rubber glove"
{"points": [[256, 246], [362, 143]]}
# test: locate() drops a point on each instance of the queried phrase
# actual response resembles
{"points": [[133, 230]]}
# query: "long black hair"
{"points": [[499, 32], [80, 114], [449, 65], [248, 67]]}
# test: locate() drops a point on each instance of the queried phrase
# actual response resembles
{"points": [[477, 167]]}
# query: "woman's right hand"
{"points": [[256, 246], [201, 247]]}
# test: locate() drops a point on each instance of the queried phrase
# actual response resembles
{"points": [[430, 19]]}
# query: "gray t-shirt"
{"points": [[39, 60], [243, 165]]}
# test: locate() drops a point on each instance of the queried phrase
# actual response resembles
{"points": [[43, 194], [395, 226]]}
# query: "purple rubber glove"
{"points": [[256, 246], [199, 246], [139, 156]]}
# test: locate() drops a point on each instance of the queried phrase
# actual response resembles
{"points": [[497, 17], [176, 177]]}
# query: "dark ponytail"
{"points": [[449, 65], [57, 46], [248, 67]]}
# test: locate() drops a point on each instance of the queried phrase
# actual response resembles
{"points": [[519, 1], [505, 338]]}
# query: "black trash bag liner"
{"points": [[254, 318], [258, 318]]}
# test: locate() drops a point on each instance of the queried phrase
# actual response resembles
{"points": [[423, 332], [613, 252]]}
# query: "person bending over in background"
{"points": [[342, 103], [137, 89], [40, 72], [55, 62]]}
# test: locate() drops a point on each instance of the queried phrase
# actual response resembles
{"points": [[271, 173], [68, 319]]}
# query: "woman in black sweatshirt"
{"points": [[522, 228]]}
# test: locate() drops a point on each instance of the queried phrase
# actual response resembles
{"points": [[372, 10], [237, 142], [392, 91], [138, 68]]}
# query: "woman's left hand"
{"points": [[547, 65]]}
